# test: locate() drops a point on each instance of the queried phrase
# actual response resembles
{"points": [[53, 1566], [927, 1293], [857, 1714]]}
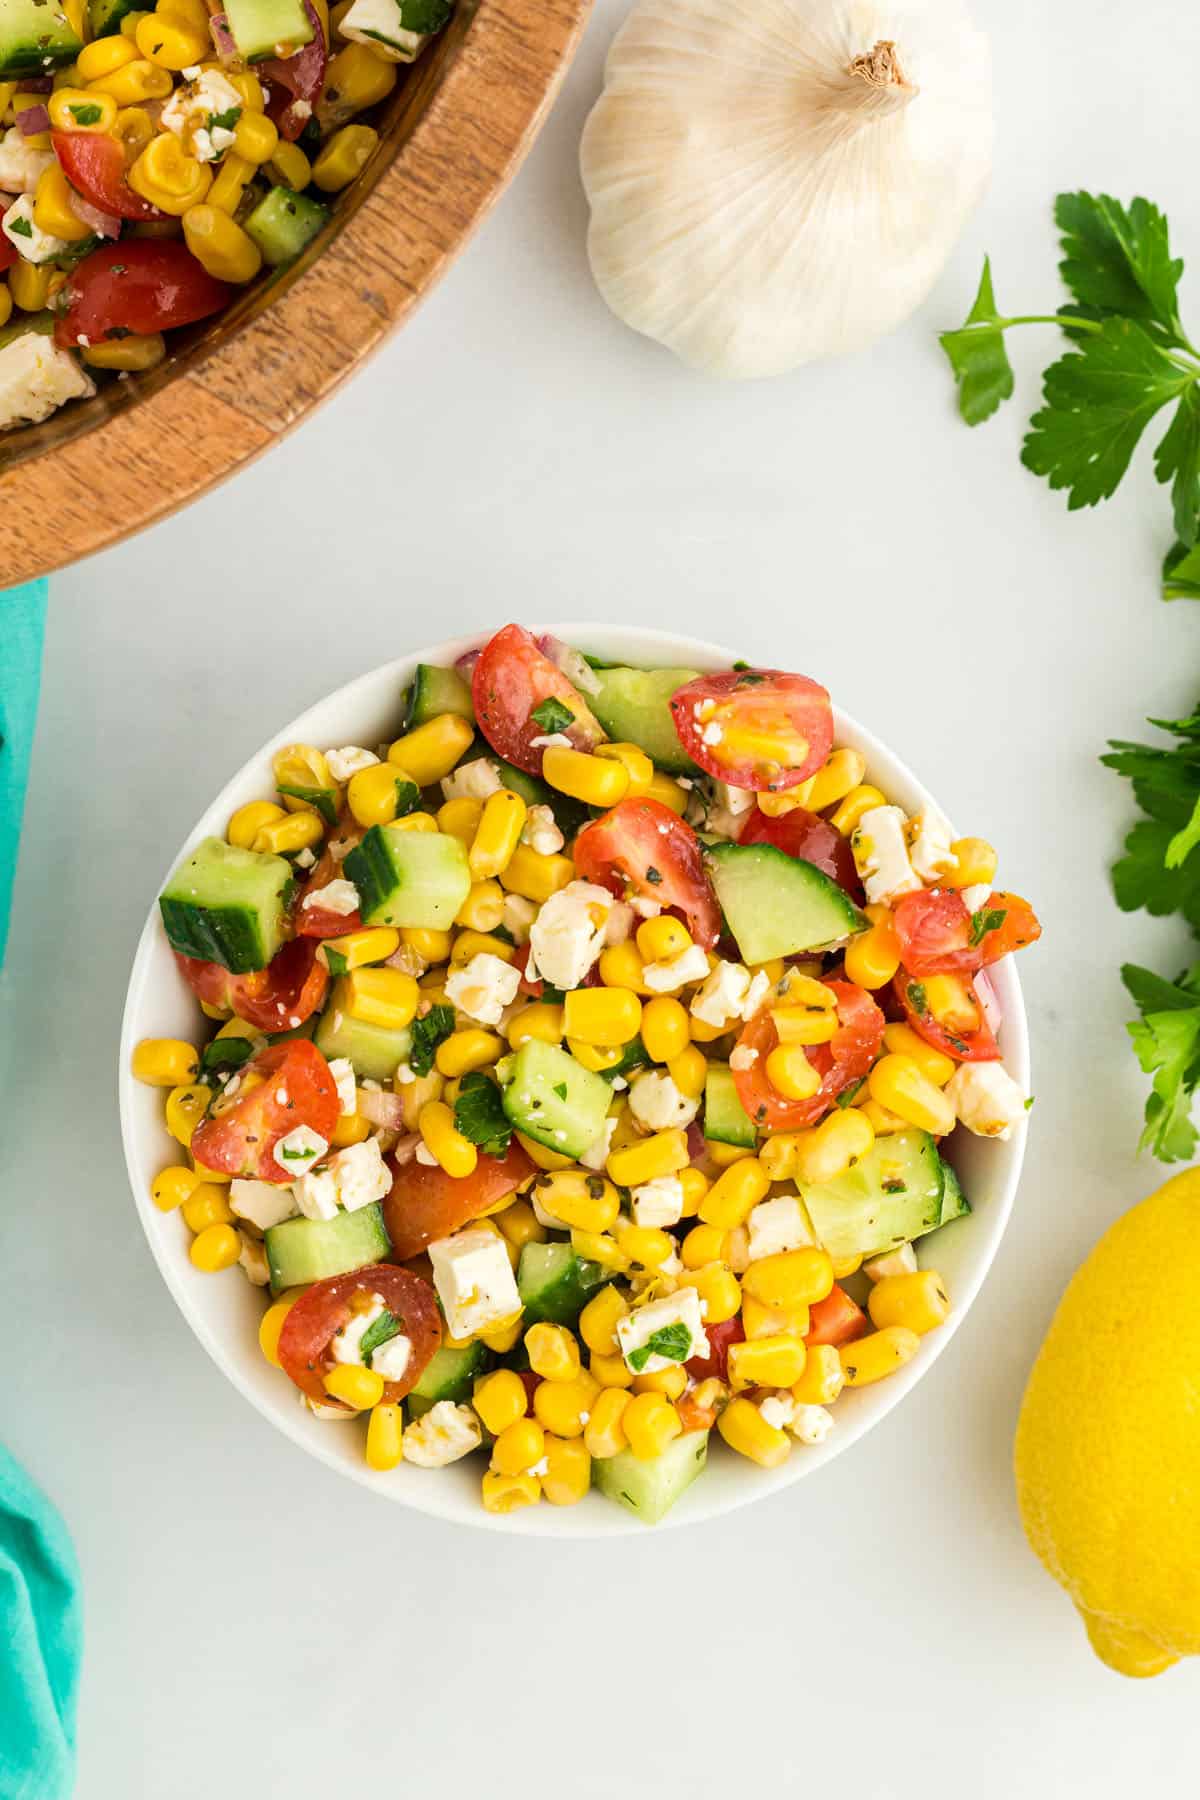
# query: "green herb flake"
{"points": [[224, 121], [560, 1088], [85, 115], [379, 1331], [552, 716], [850, 1094], [427, 1034], [674, 1342], [21, 228], [653, 876], [479, 1114], [984, 921], [917, 997]]}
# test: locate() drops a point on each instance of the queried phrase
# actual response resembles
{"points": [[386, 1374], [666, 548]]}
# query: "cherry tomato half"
{"points": [[811, 838], [8, 253], [94, 164], [310, 1326], [278, 998], [644, 842], [935, 931], [139, 285], [962, 1033], [836, 1319], [755, 728], [512, 678], [1019, 927], [296, 81], [318, 921], [283, 1087], [720, 1337], [426, 1203], [846, 1058]]}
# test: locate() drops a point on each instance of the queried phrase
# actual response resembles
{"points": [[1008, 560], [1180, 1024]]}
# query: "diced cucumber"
{"points": [[555, 1284], [778, 905], [892, 1195], [35, 38], [554, 1100], [304, 1250], [726, 1120], [954, 1202], [450, 1374], [375, 1051], [105, 15], [227, 906], [415, 879], [632, 705], [649, 1489], [268, 27], [284, 223], [436, 691]]}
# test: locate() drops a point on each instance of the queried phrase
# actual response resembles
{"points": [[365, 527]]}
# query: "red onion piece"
{"points": [[697, 1143], [33, 120], [993, 1012], [105, 225], [404, 1151], [465, 665], [570, 662], [222, 38], [37, 84], [381, 1108]]}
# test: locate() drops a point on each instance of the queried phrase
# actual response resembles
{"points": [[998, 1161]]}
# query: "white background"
{"points": [[257, 1626]]}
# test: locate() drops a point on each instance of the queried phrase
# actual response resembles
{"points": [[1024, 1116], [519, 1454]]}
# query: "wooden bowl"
{"points": [[456, 130]]}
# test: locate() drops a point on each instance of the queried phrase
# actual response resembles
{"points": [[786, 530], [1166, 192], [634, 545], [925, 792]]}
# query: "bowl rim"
{"points": [[650, 647], [483, 112]]}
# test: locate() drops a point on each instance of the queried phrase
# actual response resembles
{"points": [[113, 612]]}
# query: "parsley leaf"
{"points": [[978, 358], [850, 1094], [917, 997], [984, 921], [225, 1053], [224, 121], [427, 1034], [552, 716], [1181, 573], [379, 1331], [21, 228], [672, 1341], [1156, 871], [85, 115], [479, 1114], [1118, 259], [1167, 1044]]}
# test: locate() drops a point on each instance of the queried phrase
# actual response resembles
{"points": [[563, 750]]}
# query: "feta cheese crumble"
{"points": [[893, 1262], [261, 1203], [986, 1099], [342, 1070], [881, 856], [672, 1316], [568, 934], [658, 1202], [442, 1435], [30, 241], [345, 1346], [729, 994], [339, 896], [518, 916], [474, 1281], [657, 1103], [776, 1226], [668, 977], [483, 988], [929, 849], [476, 780], [350, 760], [541, 831], [300, 1149]]}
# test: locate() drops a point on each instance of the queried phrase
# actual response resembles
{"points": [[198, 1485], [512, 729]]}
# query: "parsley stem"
{"points": [[1189, 363]]}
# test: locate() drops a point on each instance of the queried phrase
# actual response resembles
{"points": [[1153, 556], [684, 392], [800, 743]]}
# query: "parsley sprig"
{"points": [[1130, 359], [479, 1114], [1160, 873]]}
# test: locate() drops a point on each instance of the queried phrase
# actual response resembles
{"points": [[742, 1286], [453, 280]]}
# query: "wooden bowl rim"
{"points": [[484, 111]]}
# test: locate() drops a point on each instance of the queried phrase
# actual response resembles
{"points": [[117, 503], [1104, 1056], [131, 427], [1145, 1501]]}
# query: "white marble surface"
{"points": [[258, 1627]]}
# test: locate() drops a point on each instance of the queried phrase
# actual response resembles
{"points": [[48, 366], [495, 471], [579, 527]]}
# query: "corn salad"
{"points": [[153, 162], [579, 1071]]}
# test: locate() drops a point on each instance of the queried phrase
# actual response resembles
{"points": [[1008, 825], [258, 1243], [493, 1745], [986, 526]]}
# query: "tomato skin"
{"points": [[241, 1138], [693, 1416], [311, 1323], [969, 1046], [1021, 927], [511, 678], [934, 929], [278, 998], [316, 921], [94, 164], [812, 839], [720, 1337], [297, 78], [140, 285], [837, 1319], [426, 1203], [846, 1058], [791, 710], [8, 253], [636, 836]]}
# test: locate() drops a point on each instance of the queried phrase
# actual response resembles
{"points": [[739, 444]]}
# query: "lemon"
{"points": [[1108, 1442]]}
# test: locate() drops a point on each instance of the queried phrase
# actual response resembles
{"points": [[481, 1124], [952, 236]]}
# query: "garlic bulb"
{"points": [[777, 180]]}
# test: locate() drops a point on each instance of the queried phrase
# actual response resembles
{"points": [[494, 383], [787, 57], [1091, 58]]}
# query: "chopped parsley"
{"points": [[984, 921], [672, 1341], [850, 1094], [918, 999], [427, 1034], [21, 228], [479, 1114], [379, 1331], [408, 796], [222, 121], [552, 716], [85, 115], [653, 876], [305, 1155], [226, 1053], [560, 1088], [894, 1186]]}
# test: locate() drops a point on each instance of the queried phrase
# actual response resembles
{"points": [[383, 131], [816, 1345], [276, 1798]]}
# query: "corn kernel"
{"points": [[164, 174], [455, 1153], [460, 819], [694, 1184], [735, 1193], [206, 1205], [766, 1361], [255, 138], [611, 1371], [564, 1407], [220, 245], [464, 1051], [385, 1437], [500, 826], [703, 1244], [104, 56], [800, 1025], [519, 1225], [505, 1493], [133, 353], [671, 1382], [375, 794], [427, 754], [841, 1139], [822, 1379], [391, 1001], [603, 1016], [645, 1245], [133, 83], [663, 1154], [875, 1357], [541, 1157], [215, 1249], [584, 1201], [536, 877], [165, 1062], [483, 908], [270, 1326], [341, 160], [500, 1400], [976, 864], [185, 1107], [873, 957], [667, 793], [553, 1353], [431, 946], [604, 1434], [354, 1386], [171, 1187], [665, 1032], [650, 1423], [621, 966], [790, 1278], [598, 1247], [883, 1123], [540, 1022], [599, 1318], [718, 1288], [662, 939], [169, 43], [596, 780], [897, 1083], [791, 1073], [759, 1321], [502, 1337], [860, 800], [745, 1430], [635, 762], [518, 1447], [688, 1068], [249, 820], [568, 1471], [289, 833], [289, 166], [919, 1302]]}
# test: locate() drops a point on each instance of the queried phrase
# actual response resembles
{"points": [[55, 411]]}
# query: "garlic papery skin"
{"points": [[773, 181]]}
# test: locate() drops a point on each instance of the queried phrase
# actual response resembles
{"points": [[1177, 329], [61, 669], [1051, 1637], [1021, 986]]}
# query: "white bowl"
{"points": [[224, 1311]]}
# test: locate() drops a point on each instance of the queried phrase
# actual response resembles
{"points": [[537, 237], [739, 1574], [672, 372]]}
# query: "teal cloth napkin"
{"points": [[22, 621], [41, 1631]]}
